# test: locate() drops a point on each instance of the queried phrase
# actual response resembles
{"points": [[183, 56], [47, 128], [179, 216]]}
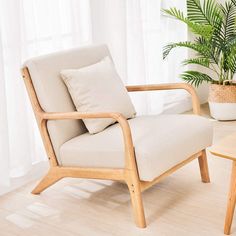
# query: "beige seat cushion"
{"points": [[160, 143], [98, 88]]}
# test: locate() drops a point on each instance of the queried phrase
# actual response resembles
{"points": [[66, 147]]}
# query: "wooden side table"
{"points": [[226, 148]]}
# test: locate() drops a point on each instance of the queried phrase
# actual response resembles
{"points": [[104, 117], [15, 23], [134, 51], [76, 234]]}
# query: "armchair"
{"points": [[136, 162]]}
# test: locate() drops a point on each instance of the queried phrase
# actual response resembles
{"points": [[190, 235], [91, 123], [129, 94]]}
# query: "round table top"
{"points": [[225, 148]]}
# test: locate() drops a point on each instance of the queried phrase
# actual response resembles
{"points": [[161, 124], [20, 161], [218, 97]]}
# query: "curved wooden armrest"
{"points": [[151, 87], [126, 131], [77, 115]]}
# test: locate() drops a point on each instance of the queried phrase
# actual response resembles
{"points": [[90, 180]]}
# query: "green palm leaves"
{"points": [[195, 27], [208, 13], [214, 25], [195, 77]]}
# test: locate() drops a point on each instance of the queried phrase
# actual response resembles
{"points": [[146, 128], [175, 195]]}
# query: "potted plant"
{"points": [[214, 27]]}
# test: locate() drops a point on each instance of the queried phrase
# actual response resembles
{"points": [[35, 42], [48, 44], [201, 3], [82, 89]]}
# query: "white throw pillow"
{"points": [[98, 88]]}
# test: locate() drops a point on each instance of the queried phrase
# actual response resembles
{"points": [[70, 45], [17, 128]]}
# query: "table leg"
{"points": [[231, 200]]}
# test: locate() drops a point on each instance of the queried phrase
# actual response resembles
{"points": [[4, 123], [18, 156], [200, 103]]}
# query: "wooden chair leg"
{"points": [[47, 181], [202, 160], [231, 201], [136, 200]]}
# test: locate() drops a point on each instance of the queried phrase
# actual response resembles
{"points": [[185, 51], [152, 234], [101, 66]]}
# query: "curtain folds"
{"points": [[134, 30], [4, 144], [30, 28]]}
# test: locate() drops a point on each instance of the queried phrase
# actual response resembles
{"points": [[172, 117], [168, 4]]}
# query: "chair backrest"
{"points": [[52, 93]]}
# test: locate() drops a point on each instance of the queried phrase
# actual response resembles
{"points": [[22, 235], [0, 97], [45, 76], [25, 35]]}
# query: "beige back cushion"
{"points": [[98, 88], [52, 93]]}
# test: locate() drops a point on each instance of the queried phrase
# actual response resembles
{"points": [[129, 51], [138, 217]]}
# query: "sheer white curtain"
{"points": [[4, 147], [29, 28], [136, 31]]}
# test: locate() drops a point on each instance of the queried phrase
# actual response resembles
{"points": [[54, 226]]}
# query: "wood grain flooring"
{"points": [[180, 205]]}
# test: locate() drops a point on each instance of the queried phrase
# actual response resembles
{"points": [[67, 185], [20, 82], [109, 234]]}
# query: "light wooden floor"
{"points": [[179, 205]]}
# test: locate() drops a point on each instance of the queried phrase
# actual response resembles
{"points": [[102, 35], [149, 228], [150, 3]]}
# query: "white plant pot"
{"points": [[223, 111], [222, 102]]}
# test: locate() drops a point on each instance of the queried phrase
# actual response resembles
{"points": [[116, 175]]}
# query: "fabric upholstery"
{"points": [[52, 93], [98, 88], [160, 143]]}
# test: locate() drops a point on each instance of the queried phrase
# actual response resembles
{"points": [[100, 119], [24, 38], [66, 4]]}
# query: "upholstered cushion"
{"points": [[160, 143], [98, 88], [52, 92]]}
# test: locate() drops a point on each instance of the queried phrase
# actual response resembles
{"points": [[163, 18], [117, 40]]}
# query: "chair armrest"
{"points": [[126, 131], [189, 88], [78, 116]]}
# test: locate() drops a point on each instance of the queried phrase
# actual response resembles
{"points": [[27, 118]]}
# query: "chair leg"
{"points": [[202, 160], [136, 200], [47, 181]]}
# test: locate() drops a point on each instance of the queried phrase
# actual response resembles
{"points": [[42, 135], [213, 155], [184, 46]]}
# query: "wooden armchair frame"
{"points": [[128, 174]]}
